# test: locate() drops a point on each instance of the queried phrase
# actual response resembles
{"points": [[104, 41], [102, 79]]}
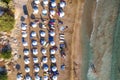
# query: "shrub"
{"points": [[11, 6], [6, 22], [6, 54], [3, 4], [3, 76], [6, 1]]}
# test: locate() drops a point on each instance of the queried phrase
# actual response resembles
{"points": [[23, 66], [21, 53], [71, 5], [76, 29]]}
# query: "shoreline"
{"points": [[75, 45], [87, 26]]}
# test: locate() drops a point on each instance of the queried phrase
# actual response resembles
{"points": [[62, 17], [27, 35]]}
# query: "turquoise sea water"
{"points": [[115, 74], [87, 51]]}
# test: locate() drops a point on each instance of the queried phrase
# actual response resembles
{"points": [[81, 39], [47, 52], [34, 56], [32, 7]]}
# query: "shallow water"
{"points": [[86, 25], [115, 74], [101, 25]]}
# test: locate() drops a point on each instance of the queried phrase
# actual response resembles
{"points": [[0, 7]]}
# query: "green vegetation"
{"points": [[7, 19], [3, 5], [6, 22], [11, 6], [3, 76], [7, 4], [6, 54], [6, 1]]}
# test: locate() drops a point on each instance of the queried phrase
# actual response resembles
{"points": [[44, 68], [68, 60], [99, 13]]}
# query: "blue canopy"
{"points": [[62, 45], [63, 67], [52, 20], [52, 0], [45, 65], [35, 7], [51, 38]]}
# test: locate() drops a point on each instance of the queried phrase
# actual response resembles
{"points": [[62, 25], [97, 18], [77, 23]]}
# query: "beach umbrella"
{"points": [[62, 28], [36, 69], [44, 11], [19, 77], [34, 24], [62, 4], [35, 60], [25, 43], [52, 43], [52, 33], [63, 67], [35, 51], [26, 52], [61, 14], [45, 67], [35, 10], [43, 42], [27, 69], [43, 26], [52, 51], [33, 34], [52, 12], [24, 34], [23, 26], [54, 77], [53, 4], [53, 59], [42, 33], [36, 1], [44, 51], [37, 77], [45, 2], [28, 78], [44, 59], [45, 78], [26, 60], [34, 43], [54, 68]]}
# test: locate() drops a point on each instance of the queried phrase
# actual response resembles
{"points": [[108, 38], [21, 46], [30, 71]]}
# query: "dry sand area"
{"points": [[73, 51]]}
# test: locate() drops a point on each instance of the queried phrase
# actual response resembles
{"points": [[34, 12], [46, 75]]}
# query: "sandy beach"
{"points": [[89, 37], [73, 58]]}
